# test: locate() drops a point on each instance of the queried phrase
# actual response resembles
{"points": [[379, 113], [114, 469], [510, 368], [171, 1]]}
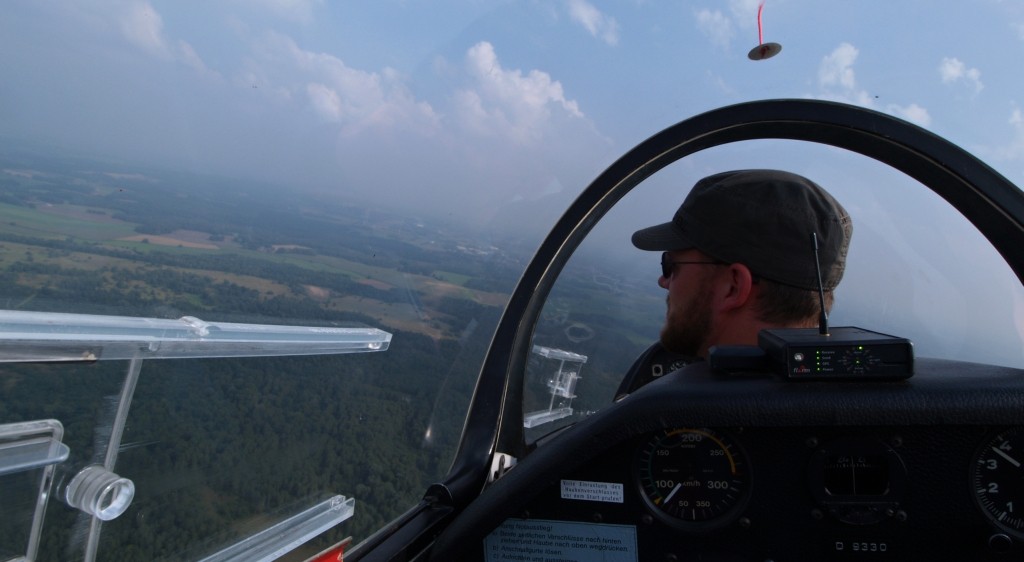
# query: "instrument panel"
{"points": [[920, 469], [869, 493], [704, 465]]}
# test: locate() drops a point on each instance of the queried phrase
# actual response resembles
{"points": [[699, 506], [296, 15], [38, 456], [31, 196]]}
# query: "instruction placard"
{"points": [[611, 492], [540, 540]]}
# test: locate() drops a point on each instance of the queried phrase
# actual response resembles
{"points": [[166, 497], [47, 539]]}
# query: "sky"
{"points": [[474, 104], [498, 113]]}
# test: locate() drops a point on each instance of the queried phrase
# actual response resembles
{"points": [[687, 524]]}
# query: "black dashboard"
{"points": [[702, 466]]}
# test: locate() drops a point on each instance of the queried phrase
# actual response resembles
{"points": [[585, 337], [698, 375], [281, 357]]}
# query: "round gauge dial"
{"points": [[997, 480], [693, 478]]}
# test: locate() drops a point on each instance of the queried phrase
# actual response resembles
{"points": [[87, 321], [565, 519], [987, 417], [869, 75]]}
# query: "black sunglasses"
{"points": [[667, 265]]}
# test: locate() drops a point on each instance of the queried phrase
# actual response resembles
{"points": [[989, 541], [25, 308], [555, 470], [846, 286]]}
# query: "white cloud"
{"points": [[913, 113], [1015, 149], [953, 70], [594, 21], [188, 56], [716, 27], [507, 102], [511, 134], [838, 82], [721, 28], [142, 26], [496, 123], [837, 68], [325, 101], [337, 92]]}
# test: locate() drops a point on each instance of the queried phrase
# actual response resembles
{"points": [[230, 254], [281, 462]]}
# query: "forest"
{"points": [[220, 448]]}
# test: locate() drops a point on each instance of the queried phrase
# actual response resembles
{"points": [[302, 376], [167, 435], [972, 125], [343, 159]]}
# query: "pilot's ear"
{"points": [[737, 287]]}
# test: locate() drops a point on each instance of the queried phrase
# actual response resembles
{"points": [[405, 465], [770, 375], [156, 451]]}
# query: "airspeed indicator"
{"points": [[695, 479]]}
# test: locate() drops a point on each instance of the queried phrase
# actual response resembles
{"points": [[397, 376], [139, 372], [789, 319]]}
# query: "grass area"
{"points": [[96, 225], [453, 278], [400, 316], [11, 253], [28, 221]]}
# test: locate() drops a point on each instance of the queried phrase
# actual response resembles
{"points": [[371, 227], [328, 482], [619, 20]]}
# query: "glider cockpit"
{"points": [[745, 465]]}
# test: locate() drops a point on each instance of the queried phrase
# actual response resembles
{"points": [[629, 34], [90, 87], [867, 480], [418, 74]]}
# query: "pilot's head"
{"points": [[739, 256]]}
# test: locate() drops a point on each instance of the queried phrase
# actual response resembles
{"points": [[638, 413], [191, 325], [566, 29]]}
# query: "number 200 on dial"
{"points": [[694, 479]]}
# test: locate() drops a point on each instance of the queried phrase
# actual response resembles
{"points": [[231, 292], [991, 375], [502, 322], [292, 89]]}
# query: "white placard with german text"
{"points": [[610, 492], [541, 540]]}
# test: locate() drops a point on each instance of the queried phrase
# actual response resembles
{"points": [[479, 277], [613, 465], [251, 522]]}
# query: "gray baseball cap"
{"points": [[763, 219]]}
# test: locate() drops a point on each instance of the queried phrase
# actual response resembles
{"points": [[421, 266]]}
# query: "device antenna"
{"points": [[823, 318]]}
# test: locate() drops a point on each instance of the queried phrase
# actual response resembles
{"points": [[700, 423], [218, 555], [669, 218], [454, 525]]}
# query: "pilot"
{"points": [[738, 257]]}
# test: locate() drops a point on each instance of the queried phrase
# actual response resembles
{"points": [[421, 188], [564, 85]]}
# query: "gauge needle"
{"points": [[1007, 457], [674, 490]]}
